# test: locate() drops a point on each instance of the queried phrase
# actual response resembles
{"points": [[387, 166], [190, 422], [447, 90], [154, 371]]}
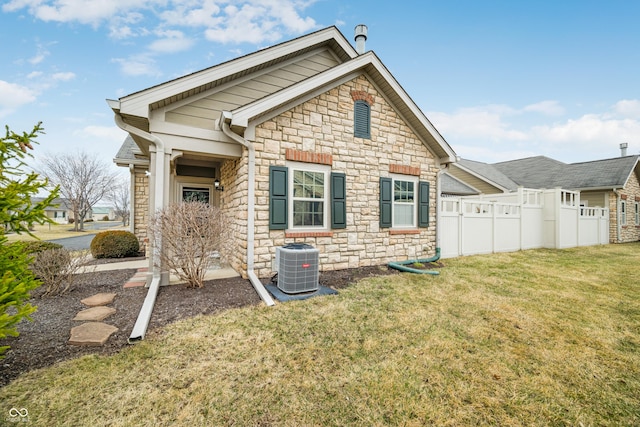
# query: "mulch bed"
{"points": [[43, 342]]}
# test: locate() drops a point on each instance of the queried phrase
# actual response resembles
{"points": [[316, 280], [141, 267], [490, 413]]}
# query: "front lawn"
{"points": [[532, 338]]}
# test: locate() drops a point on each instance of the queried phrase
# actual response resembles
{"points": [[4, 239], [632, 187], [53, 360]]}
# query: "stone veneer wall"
{"points": [[233, 202], [141, 206], [324, 125], [629, 232]]}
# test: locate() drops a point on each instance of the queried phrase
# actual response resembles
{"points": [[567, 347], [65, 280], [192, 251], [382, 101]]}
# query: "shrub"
{"points": [[105, 218], [114, 244], [194, 237], [57, 269], [36, 246]]}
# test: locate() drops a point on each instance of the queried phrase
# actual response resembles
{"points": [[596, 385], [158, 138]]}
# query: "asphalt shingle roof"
{"points": [[451, 185], [543, 172]]}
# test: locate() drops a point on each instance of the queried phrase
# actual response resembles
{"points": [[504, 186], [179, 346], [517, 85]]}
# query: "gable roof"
{"points": [[136, 108], [543, 172], [453, 186], [489, 173]]}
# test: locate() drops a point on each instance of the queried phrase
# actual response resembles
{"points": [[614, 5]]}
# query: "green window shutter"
{"points": [[278, 203], [362, 119], [386, 200], [423, 204], [338, 200]]}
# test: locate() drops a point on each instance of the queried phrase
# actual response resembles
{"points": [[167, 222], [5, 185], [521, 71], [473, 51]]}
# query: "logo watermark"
{"points": [[18, 415]]}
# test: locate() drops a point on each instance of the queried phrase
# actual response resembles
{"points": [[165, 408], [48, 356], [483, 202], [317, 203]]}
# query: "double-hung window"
{"points": [[309, 196], [306, 196], [623, 212], [404, 202], [637, 213]]}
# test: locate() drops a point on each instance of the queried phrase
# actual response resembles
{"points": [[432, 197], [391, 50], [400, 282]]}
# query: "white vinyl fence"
{"points": [[524, 220]]}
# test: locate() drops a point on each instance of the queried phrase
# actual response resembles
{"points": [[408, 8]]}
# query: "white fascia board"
{"points": [[137, 104]]}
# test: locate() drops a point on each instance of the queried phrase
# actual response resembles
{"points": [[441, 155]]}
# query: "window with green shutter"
{"points": [[305, 196], [404, 202], [362, 119]]}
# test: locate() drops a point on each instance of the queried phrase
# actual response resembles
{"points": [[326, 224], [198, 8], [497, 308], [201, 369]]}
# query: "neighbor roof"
{"points": [[454, 186], [543, 172]]}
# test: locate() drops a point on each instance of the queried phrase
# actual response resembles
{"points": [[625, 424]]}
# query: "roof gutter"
{"points": [[157, 169], [255, 281]]}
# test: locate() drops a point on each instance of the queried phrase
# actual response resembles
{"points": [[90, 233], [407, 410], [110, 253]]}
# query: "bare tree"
{"points": [[83, 179], [120, 197], [194, 236]]}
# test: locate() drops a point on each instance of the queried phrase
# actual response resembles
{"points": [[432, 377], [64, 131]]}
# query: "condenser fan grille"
{"points": [[297, 266]]}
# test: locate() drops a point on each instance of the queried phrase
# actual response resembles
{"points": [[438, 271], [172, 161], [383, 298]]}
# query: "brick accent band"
{"points": [[308, 157], [404, 169], [308, 234], [396, 232], [360, 95], [624, 196]]}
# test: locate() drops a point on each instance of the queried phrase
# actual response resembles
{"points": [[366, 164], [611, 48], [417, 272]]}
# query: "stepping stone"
{"points": [[95, 314], [98, 299], [138, 279], [91, 334]]}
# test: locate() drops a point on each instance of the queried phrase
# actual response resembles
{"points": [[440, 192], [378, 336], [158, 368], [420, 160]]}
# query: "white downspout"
{"points": [[142, 322], [255, 281]]}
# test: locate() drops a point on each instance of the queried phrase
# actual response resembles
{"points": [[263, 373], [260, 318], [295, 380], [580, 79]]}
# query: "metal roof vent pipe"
{"points": [[361, 37], [623, 149]]}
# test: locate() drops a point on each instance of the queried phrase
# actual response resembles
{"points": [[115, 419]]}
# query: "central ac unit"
{"points": [[297, 266]]}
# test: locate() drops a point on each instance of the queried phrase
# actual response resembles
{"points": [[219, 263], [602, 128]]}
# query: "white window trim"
{"points": [[195, 182], [409, 178], [309, 167], [637, 213], [623, 212]]}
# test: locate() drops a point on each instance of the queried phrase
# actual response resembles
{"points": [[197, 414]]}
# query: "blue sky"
{"points": [[499, 79]]}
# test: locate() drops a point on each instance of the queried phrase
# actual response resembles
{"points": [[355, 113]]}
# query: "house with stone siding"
{"points": [[607, 183], [308, 141]]}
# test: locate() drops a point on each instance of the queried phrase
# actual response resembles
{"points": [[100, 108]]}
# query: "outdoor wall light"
{"points": [[217, 185]]}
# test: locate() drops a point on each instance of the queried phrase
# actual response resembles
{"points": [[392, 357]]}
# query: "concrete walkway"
{"points": [[214, 273]]}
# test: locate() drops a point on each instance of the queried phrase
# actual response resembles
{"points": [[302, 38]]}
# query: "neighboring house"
{"points": [[100, 212], [310, 141], [59, 211], [609, 183]]}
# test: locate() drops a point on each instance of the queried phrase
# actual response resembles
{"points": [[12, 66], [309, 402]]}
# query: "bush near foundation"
{"points": [[115, 244], [35, 246]]}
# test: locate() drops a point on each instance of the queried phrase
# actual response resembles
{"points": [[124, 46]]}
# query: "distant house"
{"points": [[609, 183], [60, 210], [100, 212]]}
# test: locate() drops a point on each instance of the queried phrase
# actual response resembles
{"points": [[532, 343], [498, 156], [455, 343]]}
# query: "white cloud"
{"points": [[590, 128], [82, 11], [63, 76], [549, 108], [34, 75], [628, 108], [13, 96], [108, 133], [138, 65], [171, 41], [480, 123]]}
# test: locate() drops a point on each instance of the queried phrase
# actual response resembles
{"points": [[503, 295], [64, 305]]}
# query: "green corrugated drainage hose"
{"points": [[402, 265]]}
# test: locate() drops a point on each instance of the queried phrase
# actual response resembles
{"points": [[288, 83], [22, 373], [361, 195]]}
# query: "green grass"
{"points": [[532, 338]]}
